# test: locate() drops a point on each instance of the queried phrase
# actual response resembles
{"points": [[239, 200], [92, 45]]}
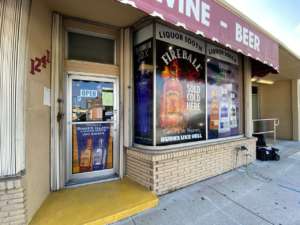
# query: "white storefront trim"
{"points": [[56, 71]]}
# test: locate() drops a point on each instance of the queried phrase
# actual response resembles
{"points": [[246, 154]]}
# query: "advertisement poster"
{"points": [[223, 99], [92, 147], [180, 95], [143, 93]]}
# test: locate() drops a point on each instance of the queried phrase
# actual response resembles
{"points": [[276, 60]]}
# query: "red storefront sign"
{"points": [[211, 20]]}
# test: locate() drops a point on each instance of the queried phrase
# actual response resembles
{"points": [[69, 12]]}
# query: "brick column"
{"points": [[12, 202]]}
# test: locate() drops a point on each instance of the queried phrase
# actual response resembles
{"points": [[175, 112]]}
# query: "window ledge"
{"points": [[154, 150]]}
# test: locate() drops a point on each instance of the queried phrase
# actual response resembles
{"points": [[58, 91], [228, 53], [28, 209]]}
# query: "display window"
{"points": [[223, 99], [186, 90], [180, 95]]}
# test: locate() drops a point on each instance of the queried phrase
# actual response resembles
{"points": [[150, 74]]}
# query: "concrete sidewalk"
{"points": [[264, 193]]}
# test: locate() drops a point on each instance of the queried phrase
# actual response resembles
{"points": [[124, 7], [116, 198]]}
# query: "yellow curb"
{"points": [[95, 204]]}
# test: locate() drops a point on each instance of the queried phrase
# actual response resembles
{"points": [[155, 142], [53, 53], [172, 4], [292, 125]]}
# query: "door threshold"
{"points": [[73, 183]]}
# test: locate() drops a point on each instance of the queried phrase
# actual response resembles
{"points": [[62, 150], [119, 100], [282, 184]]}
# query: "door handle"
{"points": [[60, 115]]}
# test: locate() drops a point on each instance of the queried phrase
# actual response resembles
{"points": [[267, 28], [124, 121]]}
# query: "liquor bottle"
{"points": [[224, 125], [172, 104], [214, 111], [104, 152], [233, 112], [97, 155], [86, 156]]}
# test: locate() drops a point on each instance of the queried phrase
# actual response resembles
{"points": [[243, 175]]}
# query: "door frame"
{"points": [[102, 175]]}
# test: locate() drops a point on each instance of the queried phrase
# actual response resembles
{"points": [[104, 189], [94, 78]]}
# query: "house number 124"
{"points": [[38, 63]]}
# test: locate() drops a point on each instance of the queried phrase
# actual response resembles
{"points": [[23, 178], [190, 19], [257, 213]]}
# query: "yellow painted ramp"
{"points": [[95, 204]]}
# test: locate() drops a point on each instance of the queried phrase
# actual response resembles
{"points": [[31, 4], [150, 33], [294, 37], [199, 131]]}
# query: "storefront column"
{"points": [[126, 94], [126, 83], [248, 98], [13, 37], [296, 109], [57, 170], [14, 16]]}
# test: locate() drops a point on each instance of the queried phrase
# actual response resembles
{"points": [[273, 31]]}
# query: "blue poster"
{"points": [[143, 96], [92, 148]]}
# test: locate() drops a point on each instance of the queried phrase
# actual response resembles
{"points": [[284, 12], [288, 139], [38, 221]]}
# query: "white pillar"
{"points": [[57, 156], [296, 109], [248, 98], [126, 91], [13, 42]]}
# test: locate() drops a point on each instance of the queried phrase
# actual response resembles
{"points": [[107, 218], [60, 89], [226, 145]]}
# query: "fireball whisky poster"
{"points": [[91, 147], [143, 93], [180, 95], [223, 99]]}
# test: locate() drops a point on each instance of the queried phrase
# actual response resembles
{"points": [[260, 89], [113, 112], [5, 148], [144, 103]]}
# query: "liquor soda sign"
{"points": [[211, 20]]}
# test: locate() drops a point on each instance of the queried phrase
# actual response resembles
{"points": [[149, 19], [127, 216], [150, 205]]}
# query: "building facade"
{"points": [[157, 92]]}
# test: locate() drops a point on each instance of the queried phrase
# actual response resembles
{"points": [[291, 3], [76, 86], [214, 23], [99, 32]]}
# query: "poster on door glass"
{"points": [[92, 147], [223, 99], [180, 95], [143, 95]]}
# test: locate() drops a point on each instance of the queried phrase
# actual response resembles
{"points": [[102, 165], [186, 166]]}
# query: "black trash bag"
{"points": [[267, 153], [264, 152], [261, 142]]}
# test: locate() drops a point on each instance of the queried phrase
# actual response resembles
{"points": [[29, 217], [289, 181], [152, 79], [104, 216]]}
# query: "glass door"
{"points": [[92, 127]]}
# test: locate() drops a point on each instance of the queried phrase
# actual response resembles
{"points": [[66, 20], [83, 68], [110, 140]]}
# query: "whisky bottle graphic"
{"points": [[172, 104], [224, 125], [97, 155], [214, 112], [104, 155], [233, 112], [86, 156]]}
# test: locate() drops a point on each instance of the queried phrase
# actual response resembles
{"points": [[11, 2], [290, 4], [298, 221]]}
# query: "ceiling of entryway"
{"points": [[104, 11]]}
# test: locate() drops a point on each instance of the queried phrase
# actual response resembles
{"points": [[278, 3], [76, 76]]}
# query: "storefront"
{"points": [[163, 99]]}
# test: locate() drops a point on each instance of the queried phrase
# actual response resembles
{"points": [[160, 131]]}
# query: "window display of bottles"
{"points": [[224, 125], [223, 100]]}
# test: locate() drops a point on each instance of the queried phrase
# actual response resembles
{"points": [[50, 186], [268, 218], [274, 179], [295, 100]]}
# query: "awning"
{"points": [[213, 21]]}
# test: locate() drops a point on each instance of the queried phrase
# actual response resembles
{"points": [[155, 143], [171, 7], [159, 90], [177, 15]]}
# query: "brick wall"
{"points": [[168, 170], [12, 202]]}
